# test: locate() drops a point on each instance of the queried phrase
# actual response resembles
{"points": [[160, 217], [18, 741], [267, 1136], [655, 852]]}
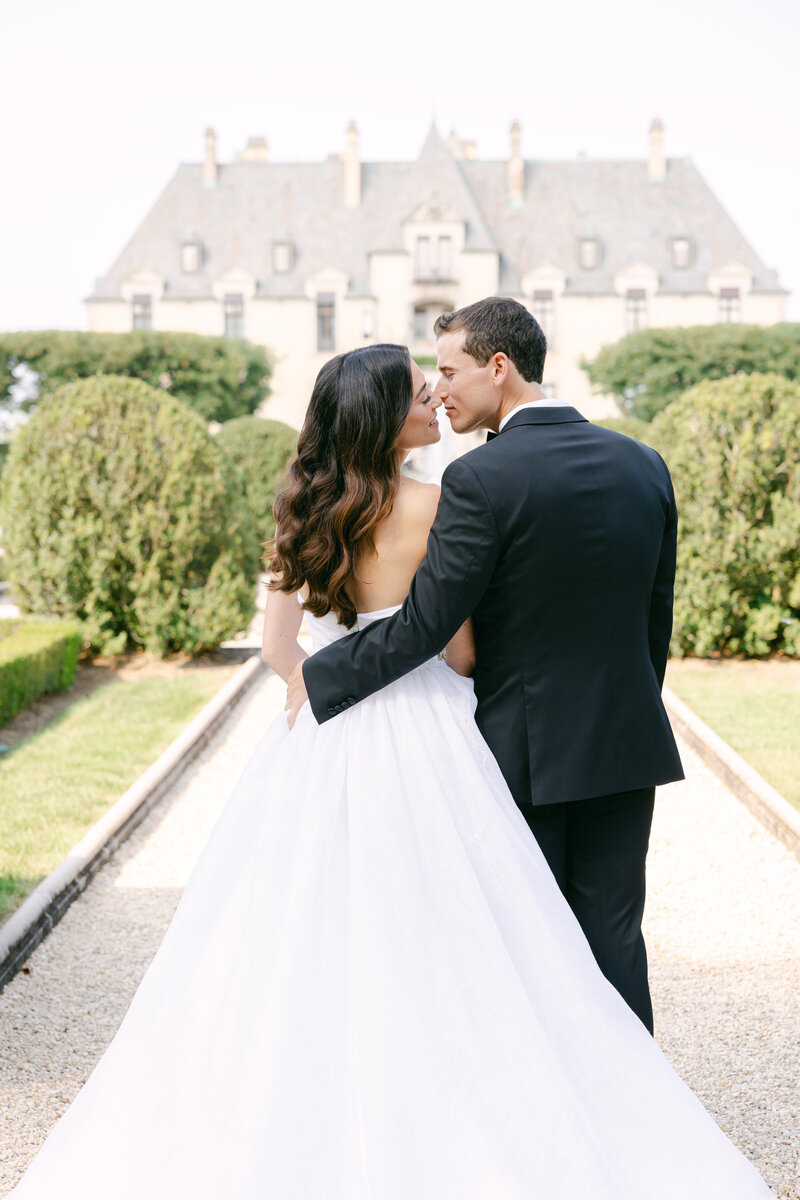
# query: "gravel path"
{"points": [[723, 927]]}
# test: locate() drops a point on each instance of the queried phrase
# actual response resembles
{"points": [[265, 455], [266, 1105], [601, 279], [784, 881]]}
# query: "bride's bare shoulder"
{"points": [[417, 501]]}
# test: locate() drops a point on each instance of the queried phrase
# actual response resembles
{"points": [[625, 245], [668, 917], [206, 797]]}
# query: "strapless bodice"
{"points": [[327, 629]]}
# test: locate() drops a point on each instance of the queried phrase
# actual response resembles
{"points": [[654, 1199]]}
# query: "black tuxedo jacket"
{"points": [[558, 538]]}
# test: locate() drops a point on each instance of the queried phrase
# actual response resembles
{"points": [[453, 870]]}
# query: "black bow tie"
{"points": [[490, 435]]}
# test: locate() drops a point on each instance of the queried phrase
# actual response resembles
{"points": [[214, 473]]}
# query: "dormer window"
{"points": [[588, 253], [423, 265], [281, 257], [434, 258], [681, 253], [445, 258], [191, 257]]}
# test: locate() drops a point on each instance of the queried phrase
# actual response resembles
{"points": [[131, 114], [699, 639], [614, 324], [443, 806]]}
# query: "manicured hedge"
{"points": [[35, 657], [120, 511], [219, 377], [649, 369], [260, 452], [733, 448]]}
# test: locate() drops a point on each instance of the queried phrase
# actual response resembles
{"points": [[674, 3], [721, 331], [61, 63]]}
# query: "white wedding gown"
{"points": [[373, 990]]}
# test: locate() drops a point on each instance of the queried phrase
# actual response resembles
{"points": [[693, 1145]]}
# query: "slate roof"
{"points": [[256, 203]]}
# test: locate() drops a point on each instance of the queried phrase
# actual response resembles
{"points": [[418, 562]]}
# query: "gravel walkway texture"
{"points": [[723, 928]]}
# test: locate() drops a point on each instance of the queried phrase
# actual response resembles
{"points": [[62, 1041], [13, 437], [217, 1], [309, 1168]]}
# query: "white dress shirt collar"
{"points": [[546, 400]]}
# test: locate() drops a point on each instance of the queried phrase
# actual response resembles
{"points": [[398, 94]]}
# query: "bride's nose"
{"points": [[436, 401]]}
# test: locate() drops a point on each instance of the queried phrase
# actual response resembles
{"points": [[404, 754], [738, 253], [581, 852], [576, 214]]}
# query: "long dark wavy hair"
{"points": [[343, 480]]}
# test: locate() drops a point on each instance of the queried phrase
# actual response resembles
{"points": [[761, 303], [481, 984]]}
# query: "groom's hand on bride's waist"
{"points": [[296, 694]]}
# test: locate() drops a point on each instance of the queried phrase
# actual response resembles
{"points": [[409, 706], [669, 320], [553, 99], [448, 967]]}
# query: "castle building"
{"points": [[310, 259]]}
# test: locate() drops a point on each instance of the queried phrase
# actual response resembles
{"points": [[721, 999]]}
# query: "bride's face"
{"points": [[421, 427]]}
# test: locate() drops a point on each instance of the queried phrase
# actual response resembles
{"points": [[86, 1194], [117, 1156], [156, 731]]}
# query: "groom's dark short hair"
{"points": [[499, 325]]}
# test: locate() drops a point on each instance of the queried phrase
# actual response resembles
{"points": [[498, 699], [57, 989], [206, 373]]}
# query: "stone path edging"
{"points": [[766, 803], [46, 905]]}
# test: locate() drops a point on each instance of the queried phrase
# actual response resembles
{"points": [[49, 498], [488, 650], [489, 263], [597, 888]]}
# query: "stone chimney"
{"points": [[256, 150], [656, 162], [210, 164], [459, 148], [516, 168], [352, 169]]}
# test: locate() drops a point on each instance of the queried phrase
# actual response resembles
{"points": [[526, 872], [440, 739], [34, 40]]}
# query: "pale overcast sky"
{"points": [[99, 102]]}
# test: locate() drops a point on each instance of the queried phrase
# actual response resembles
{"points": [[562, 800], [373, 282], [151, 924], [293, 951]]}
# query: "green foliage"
{"points": [[754, 706], [733, 447], [119, 510], [631, 427], [58, 781], [218, 377], [35, 657], [649, 369], [4, 449], [259, 452]]}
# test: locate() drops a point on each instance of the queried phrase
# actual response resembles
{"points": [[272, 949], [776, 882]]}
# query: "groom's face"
{"points": [[467, 390]]}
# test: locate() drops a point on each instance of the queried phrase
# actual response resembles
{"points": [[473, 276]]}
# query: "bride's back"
{"points": [[382, 577]]}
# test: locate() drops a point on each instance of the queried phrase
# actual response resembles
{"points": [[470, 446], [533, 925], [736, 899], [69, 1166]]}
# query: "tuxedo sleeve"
{"points": [[661, 598], [463, 547]]}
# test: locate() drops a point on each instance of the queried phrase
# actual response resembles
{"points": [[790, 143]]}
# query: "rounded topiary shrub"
{"points": [[733, 447], [118, 509], [259, 451]]}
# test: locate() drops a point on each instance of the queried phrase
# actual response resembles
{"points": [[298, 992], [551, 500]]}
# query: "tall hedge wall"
{"points": [[219, 378], [649, 369]]}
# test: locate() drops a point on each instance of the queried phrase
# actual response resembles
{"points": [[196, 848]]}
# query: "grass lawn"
{"points": [[753, 706], [56, 783]]}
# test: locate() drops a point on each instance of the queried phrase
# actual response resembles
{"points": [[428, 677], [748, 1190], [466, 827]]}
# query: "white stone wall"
{"points": [[582, 325]]}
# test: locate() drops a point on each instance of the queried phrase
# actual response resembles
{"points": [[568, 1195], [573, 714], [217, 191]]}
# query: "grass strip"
{"points": [[754, 707], [55, 784]]}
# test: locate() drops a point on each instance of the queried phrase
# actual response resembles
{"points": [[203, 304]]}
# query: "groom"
{"points": [[558, 538]]}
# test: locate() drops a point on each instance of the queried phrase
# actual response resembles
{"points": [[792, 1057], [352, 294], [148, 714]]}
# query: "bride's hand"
{"points": [[296, 694]]}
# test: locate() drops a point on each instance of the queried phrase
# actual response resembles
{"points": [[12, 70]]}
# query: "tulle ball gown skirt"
{"points": [[373, 990]]}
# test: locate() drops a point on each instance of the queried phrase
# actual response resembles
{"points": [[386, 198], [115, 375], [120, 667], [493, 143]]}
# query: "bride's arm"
{"points": [[460, 650], [279, 646]]}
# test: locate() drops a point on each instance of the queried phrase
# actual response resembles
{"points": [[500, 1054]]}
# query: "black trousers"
{"points": [[597, 849]]}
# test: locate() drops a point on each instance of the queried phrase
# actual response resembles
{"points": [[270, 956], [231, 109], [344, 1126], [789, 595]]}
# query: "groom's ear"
{"points": [[501, 365]]}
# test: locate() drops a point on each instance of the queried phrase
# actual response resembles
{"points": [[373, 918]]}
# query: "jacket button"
{"points": [[331, 712], [351, 699]]}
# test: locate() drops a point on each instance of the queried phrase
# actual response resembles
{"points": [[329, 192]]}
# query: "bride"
{"points": [[372, 987]]}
